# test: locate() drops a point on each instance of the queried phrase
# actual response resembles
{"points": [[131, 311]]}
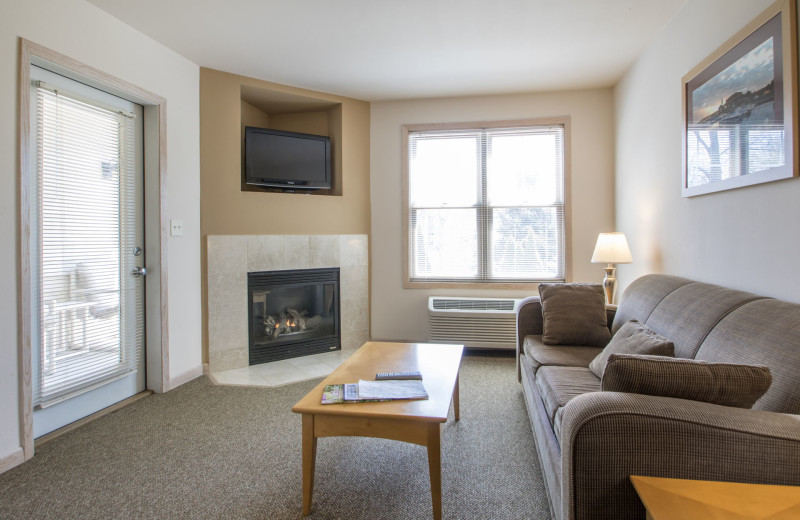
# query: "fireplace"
{"points": [[293, 313]]}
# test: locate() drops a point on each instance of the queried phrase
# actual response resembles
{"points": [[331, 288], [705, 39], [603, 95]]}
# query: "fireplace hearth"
{"points": [[293, 313]]}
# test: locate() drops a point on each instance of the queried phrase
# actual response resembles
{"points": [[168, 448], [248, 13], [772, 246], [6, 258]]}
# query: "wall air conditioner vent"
{"points": [[472, 304], [473, 322]]}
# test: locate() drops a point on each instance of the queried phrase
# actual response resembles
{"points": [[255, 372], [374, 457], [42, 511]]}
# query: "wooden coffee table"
{"points": [[417, 422], [679, 499]]}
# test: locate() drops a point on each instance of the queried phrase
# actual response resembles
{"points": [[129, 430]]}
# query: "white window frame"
{"points": [[408, 283]]}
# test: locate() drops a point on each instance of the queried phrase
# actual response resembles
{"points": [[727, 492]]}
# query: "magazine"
{"points": [[346, 393]]}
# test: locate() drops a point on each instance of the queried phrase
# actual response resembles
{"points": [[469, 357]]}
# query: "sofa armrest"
{"points": [[529, 322], [608, 436]]}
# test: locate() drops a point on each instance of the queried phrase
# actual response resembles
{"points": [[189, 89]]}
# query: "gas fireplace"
{"points": [[293, 313]]}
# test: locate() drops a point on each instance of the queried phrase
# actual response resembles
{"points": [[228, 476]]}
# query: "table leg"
{"points": [[435, 468], [309, 461], [456, 409]]}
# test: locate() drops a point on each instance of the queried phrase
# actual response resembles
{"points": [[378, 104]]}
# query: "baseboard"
{"points": [[193, 373], [15, 458]]}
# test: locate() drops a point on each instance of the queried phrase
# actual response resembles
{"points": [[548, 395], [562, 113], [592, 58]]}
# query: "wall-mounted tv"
{"points": [[288, 160]]}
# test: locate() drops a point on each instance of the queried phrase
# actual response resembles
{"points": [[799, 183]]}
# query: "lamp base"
{"points": [[610, 283]]}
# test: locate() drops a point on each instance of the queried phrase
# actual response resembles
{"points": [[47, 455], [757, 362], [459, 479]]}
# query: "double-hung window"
{"points": [[485, 203]]}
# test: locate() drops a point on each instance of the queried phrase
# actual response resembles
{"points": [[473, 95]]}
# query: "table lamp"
{"points": [[611, 248]]}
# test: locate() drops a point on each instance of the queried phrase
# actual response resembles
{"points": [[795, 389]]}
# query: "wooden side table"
{"points": [[679, 499]]}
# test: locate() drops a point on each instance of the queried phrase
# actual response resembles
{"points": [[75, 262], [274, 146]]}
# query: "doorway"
{"points": [[87, 245]]}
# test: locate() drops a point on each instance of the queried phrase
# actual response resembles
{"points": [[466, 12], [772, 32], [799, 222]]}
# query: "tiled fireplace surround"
{"points": [[231, 257]]}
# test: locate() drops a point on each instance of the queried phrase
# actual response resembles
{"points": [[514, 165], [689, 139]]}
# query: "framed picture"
{"points": [[740, 108]]}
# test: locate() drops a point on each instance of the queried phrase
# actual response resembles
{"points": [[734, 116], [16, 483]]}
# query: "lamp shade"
{"points": [[611, 248]]}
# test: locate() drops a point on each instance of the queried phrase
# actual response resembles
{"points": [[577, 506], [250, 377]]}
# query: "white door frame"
{"points": [[156, 221]]}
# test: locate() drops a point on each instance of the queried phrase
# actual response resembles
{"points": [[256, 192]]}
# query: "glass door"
{"points": [[87, 250]]}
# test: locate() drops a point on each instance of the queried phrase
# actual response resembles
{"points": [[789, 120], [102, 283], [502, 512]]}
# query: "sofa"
{"points": [[590, 440]]}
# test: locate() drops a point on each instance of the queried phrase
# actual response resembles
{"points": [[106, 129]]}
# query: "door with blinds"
{"points": [[87, 250]]}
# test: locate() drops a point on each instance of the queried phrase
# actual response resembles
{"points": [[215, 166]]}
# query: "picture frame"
{"points": [[740, 108]]}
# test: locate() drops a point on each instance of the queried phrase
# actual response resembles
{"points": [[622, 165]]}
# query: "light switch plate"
{"points": [[176, 228]]}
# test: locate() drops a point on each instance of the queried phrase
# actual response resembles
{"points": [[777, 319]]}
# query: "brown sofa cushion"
{"points": [[540, 354], [574, 314], [632, 338], [557, 385], [726, 384]]}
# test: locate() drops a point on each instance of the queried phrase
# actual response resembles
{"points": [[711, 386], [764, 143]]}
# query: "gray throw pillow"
{"points": [[632, 338], [574, 314], [725, 384]]}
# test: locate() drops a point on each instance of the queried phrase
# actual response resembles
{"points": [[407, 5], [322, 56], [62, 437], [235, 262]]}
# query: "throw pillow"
{"points": [[632, 338], [726, 384], [574, 314]]}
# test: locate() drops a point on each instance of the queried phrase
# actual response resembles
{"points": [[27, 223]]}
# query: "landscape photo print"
{"points": [[738, 117]]}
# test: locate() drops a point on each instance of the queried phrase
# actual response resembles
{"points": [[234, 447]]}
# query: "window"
{"points": [[485, 203]]}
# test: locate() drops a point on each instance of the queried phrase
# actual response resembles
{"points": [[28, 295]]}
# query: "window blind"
{"points": [[90, 309], [486, 204]]}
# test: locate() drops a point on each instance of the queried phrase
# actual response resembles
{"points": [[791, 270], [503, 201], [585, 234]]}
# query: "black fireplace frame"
{"points": [[286, 349]]}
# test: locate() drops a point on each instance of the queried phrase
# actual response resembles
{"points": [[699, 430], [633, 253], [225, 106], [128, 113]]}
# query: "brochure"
{"points": [[392, 389]]}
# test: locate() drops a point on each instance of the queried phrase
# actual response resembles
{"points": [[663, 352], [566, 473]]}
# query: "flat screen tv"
{"points": [[288, 160]]}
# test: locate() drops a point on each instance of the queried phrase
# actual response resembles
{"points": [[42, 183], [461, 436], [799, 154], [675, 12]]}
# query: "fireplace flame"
{"points": [[289, 322]]}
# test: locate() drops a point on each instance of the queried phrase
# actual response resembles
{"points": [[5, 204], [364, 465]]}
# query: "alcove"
{"points": [[266, 108]]}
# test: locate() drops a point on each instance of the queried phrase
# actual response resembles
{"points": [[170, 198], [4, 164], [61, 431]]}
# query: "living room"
{"points": [[625, 154]]}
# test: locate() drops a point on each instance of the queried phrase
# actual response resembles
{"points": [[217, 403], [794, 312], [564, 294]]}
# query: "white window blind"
{"points": [[83, 218], [486, 205]]}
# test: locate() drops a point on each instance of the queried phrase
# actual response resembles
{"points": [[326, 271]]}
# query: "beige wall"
{"points": [[81, 31], [745, 238], [399, 313], [227, 210]]}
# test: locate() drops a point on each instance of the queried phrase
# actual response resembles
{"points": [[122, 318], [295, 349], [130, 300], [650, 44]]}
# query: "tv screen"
{"points": [[288, 160]]}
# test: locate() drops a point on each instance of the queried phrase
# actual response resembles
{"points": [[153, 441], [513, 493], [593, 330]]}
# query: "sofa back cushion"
{"points": [[642, 296], [574, 314], [632, 338], [765, 332], [688, 314]]}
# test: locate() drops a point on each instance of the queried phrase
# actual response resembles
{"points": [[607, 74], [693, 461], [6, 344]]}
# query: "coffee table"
{"points": [[679, 499], [417, 421]]}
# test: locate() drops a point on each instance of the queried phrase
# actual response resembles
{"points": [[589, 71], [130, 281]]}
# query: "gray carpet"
{"points": [[205, 451]]}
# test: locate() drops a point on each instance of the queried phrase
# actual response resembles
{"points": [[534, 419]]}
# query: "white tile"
{"points": [[353, 250], [221, 360], [239, 376], [303, 361], [354, 282], [271, 368], [227, 292], [295, 252], [352, 340], [355, 314], [286, 378], [226, 254], [316, 370], [264, 253], [323, 251]]}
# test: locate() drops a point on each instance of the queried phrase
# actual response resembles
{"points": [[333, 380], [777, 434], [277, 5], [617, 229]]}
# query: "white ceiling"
{"points": [[381, 49]]}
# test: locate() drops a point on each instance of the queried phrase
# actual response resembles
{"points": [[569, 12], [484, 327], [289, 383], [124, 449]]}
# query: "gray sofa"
{"points": [[590, 441]]}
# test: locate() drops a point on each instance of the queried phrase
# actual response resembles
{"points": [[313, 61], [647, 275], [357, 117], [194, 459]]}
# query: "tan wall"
{"points": [[227, 210], [744, 238], [399, 313]]}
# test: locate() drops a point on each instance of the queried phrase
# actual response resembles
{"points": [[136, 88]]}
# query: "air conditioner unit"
{"points": [[473, 322]]}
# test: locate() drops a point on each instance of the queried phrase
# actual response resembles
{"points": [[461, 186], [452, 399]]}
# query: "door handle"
{"points": [[139, 271]]}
